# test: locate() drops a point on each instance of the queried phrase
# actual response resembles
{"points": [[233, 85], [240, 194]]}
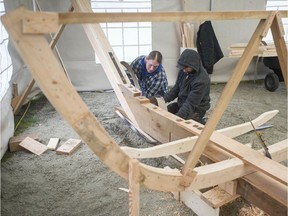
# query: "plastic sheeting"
{"points": [[7, 121]]}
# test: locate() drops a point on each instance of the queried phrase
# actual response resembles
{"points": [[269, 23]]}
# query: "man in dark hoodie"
{"points": [[192, 88]]}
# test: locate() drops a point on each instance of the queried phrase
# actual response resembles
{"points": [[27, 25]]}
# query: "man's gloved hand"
{"points": [[153, 100]]}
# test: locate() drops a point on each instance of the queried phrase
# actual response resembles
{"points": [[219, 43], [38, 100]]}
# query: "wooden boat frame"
{"points": [[27, 29]]}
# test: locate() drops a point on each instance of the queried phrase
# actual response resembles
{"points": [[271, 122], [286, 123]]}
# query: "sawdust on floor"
{"points": [[80, 184]]}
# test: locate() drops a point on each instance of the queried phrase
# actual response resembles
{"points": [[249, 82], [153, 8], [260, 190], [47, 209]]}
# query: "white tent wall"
{"points": [[7, 121], [21, 76], [79, 59], [166, 39]]}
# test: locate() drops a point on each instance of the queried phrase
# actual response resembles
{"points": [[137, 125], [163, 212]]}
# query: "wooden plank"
{"points": [[33, 146], [23, 97], [16, 140], [269, 20], [47, 22], [76, 18], [53, 143], [225, 98], [68, 147], [35, 22], [278, 150]]}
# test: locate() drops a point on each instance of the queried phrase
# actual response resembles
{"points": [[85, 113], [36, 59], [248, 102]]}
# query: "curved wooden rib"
{"points": [[238, 130], [186, 144]]}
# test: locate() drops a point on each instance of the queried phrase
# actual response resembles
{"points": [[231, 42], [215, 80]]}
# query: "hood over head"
{"points": [[189, 58]]}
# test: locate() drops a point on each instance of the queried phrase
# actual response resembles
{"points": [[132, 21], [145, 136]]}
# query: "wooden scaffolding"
{"points": [[255, 177]]}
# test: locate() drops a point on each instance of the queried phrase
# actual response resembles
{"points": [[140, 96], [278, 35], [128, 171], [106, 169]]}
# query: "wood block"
{"points": [[14, 142], [53, 143], [68, 147], [161, 103], [217, 197], [15, 101], [33, 146], [193, 200], [230, 187]]}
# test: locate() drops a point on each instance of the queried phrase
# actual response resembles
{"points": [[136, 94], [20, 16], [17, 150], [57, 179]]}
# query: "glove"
{"points": [[153, 100]]}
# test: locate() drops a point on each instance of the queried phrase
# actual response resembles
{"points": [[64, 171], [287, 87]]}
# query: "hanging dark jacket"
{"points": [[191, 89], [208, 46]]}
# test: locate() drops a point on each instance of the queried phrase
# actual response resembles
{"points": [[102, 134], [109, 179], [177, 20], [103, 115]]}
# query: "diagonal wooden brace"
{"points": [[225, 97]]}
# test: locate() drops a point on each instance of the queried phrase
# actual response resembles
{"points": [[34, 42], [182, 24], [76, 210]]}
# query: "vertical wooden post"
{"points": [[223, 102], [134, 187], [280, 45]]}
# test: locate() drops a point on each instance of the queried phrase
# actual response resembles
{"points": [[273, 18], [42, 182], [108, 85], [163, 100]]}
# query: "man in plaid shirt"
{"points": [[151, 74]]}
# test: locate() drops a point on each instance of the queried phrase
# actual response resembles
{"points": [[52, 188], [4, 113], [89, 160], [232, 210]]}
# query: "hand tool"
{"points": [[266, 150]]}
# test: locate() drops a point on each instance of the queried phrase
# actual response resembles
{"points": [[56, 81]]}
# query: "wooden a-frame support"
{"points": [[62, 94], [232, 85]]}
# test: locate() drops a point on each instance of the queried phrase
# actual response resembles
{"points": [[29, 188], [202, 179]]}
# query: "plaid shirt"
{"points": [[154, 84]]}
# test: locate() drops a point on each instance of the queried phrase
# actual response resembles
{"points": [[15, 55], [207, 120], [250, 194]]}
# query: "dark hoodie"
{"points": [[192, 89]]}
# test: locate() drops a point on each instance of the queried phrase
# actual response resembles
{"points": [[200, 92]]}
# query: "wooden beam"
{"points": [[48, 22], [134, 187], [23, 97], [261, 199], [225, 97], [281, 48]]}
